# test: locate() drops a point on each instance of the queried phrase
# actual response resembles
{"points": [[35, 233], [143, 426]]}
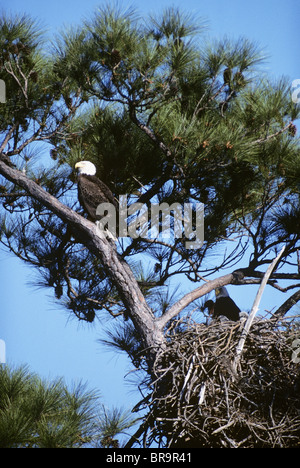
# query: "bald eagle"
{"points": [[224, 305], [91, 190]]}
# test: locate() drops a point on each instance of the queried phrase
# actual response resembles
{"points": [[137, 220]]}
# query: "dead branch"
{"points": [[254, 309]]}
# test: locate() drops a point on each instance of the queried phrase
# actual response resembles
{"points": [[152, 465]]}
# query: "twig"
{"points": [[7, 138], [230, 423], [187, 377], [202, 394], [269, 137]]}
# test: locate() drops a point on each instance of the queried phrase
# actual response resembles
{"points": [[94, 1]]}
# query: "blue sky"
{"points": [[36, 330]]}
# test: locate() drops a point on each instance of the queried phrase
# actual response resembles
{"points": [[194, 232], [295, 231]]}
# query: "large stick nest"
{"points": [[200, 400]]}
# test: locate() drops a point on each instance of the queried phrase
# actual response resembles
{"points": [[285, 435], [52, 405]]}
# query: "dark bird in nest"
{"points": [[224, 305]]}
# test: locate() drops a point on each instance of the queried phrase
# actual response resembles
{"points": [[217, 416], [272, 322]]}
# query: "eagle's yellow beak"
{"points": [[78, 165]]}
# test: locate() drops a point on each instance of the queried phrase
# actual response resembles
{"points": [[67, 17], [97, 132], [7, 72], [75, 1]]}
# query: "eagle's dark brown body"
{"points": [[91, 193]]}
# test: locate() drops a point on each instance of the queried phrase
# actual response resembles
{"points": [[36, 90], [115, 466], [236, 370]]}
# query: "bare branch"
{"points": [[192, 296], [254, 309]]}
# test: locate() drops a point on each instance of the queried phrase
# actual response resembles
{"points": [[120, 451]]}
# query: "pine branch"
{"points": [[273, 135], [161, 145]]}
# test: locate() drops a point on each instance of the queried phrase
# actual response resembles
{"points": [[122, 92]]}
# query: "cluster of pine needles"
{"points": [[200, 399]]}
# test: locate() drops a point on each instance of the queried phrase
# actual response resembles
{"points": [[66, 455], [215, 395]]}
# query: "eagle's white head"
{"points": [[86, 168], [221, 292]]}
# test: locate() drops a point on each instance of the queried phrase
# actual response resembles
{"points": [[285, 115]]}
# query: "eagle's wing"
{"points": [[107, 193], [92, 192], [226, 306]]}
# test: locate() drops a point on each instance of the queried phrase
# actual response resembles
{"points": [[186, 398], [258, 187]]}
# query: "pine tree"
{"points": [[164, 120], [40, 414], [36, 413]]}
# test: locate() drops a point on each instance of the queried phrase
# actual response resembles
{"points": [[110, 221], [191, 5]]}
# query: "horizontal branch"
{"points": [[237, 277], [206, 288], [275, 276]]}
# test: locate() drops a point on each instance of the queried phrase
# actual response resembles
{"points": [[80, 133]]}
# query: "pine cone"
{"points": [[292, 129]]}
